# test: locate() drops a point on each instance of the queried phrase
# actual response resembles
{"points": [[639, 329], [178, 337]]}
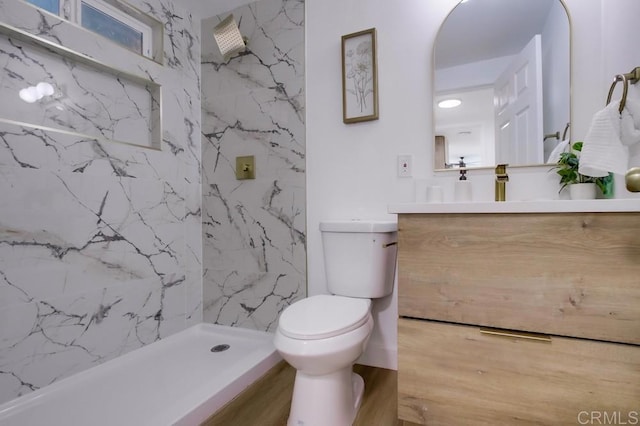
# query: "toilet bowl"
{"points": [[322, 336], [326, 391]]}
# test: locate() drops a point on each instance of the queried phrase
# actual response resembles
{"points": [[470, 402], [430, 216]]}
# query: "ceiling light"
{"points": [[449, 103]]}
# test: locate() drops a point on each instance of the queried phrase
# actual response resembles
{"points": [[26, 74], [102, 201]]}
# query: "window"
{"points": [[112, 23], [105, 20], [52, 6]]}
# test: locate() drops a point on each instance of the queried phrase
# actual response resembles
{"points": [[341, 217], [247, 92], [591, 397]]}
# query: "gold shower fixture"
{"points": [[228, 37], [245, 167]]}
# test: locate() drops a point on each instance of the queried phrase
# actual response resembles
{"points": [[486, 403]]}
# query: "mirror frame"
{"points": [[433, 96]]}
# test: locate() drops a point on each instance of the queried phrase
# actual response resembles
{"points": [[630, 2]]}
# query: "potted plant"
{"points": [[580, 186]]}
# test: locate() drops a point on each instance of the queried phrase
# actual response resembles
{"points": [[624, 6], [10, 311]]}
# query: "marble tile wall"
{"points": [[97, 103], [100, 242], [254, 245]]}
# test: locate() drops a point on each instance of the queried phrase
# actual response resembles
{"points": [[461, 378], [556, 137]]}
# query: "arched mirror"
{"points": [[506, 64]]}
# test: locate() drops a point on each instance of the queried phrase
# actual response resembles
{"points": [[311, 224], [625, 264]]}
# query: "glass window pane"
{"points": [[52, 6], [107, 26]]}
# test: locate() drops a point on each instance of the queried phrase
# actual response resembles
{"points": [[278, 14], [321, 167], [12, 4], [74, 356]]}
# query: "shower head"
{"points": [[228, 37]]}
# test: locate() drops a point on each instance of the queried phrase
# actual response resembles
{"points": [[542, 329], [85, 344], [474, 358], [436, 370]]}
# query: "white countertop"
{"points": [[541, 206]]}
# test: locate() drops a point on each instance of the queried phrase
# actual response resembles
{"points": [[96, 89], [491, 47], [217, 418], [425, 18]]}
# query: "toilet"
{"points": [[322, 336]]}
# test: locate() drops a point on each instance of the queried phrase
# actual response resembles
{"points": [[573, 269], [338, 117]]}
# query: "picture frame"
{"points": [[359, 77]]}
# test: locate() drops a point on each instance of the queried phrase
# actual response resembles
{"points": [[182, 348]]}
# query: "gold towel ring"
{"points": [[625, 89]]}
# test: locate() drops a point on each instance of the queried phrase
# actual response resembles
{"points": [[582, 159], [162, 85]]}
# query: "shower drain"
{"points": [[220, 348]]}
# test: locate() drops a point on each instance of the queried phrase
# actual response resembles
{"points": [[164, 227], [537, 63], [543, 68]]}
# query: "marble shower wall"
{"points": [[254, 245], [100, 242]]}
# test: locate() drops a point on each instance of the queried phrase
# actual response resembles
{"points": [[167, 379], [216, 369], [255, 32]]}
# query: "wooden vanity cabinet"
{"points": [[519, 318]]}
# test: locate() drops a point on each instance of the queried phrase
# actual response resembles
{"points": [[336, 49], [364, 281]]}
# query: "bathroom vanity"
{"points": [[518, 312]]}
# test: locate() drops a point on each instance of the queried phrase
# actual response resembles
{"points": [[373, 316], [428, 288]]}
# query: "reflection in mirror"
{"points": [[508, 63]]}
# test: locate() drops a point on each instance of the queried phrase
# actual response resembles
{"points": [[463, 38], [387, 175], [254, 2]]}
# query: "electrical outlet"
{"points": [[405, 165]]}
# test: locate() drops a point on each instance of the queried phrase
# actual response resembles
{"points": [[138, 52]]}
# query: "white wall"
{"points": [[351, 169]]}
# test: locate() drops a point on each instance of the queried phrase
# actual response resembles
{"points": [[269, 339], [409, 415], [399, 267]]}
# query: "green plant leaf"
{"points": [[567, 168]]}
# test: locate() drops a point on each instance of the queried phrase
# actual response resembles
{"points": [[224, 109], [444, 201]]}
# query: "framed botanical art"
{"points": [[359, 77]]}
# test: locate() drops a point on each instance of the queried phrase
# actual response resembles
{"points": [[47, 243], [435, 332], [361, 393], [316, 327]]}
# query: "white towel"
{"points": [[559, 149], [630, 122], [602, 148], [630, 125]]}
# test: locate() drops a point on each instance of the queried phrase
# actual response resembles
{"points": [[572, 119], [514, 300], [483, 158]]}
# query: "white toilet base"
{"points": [[331, 399]]}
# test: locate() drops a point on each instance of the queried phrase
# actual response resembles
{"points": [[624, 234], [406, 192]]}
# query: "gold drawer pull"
{"points": [[516, 334]]}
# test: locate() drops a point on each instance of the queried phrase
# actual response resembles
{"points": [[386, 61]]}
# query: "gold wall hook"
{"points": [[632, 179], [633, 76]]}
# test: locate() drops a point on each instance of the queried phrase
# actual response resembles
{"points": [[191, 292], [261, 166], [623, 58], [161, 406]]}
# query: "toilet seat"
{"points": [[323, 316]]}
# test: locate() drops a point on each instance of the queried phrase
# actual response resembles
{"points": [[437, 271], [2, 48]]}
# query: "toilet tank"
{"points": [[359, 257]]}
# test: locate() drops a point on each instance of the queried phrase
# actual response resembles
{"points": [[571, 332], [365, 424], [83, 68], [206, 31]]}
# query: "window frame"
{"points": [[124, 18], [71, 10]]}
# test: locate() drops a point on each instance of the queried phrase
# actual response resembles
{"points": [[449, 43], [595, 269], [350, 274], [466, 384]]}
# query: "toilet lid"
{"points": [[323, 316]]}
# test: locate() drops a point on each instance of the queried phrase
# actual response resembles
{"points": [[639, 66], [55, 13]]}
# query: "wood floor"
{"points": [[267, 401]]}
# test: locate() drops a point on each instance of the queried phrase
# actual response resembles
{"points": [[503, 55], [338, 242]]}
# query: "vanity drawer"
{"points": [[454, 375], [574, 274]]}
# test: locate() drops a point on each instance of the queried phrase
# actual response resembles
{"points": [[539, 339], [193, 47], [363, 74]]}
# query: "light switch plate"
{"points": [[405, 165]]}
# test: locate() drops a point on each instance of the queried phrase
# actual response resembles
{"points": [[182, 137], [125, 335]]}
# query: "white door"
{"points": [[518, 108]]}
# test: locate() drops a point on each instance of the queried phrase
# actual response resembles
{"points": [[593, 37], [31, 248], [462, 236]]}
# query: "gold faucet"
{"points": [[501, 182]]}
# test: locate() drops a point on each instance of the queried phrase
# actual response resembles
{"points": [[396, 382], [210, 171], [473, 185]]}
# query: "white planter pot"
{"points": [[582, 191]]}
